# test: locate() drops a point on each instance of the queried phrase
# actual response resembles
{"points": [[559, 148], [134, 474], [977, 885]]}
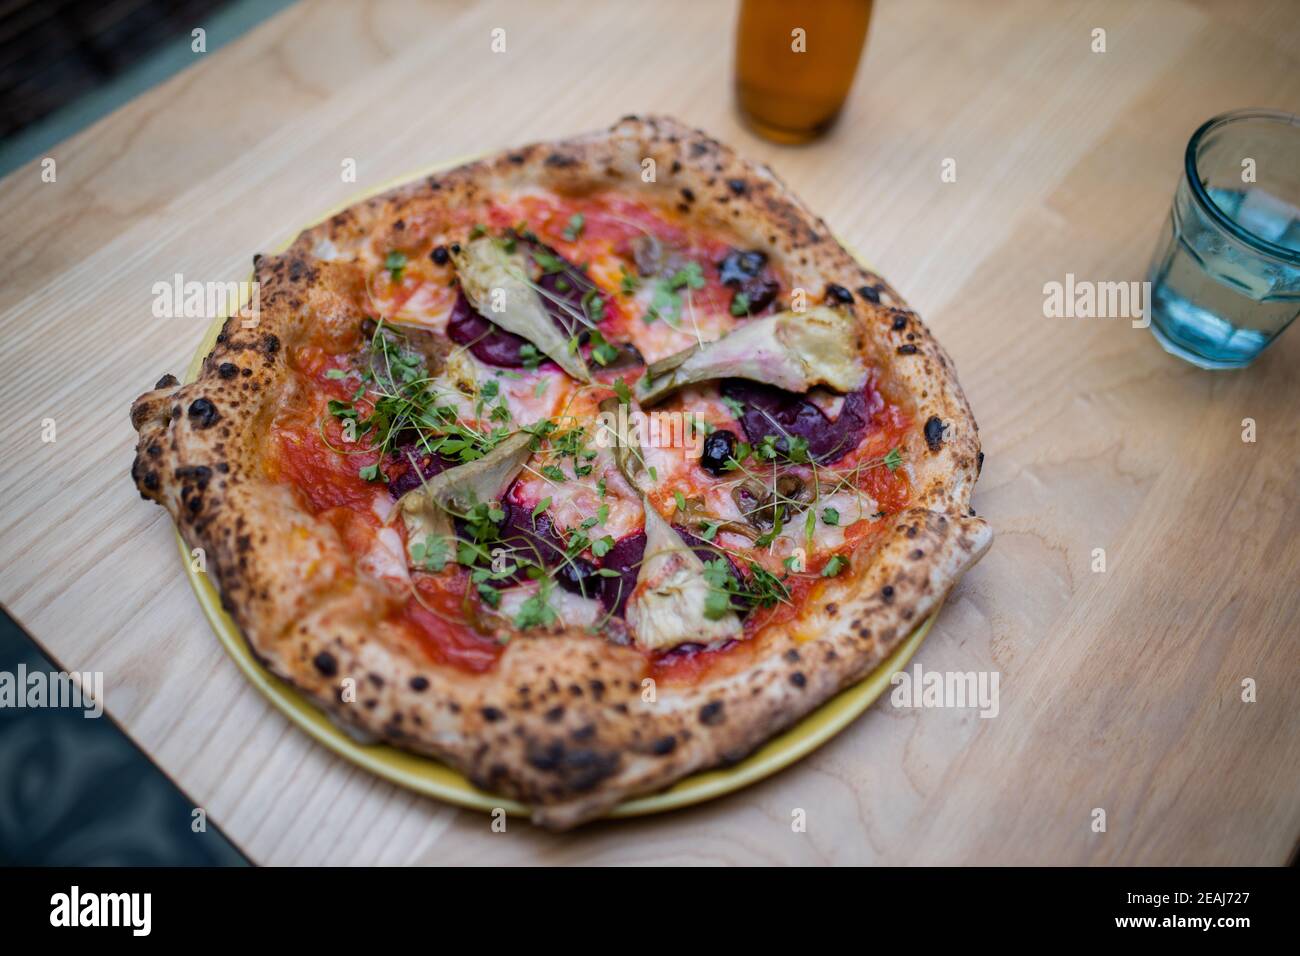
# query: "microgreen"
{"points": [[395, 263]]}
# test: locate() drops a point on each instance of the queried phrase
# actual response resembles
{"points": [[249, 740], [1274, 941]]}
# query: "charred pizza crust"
{"points": [[561, 722]]}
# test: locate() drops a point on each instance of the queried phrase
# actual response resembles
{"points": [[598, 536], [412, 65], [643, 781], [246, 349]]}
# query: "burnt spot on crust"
{"points": [[934, 429], [270, 343], [837, 293], [199, 474], [979, 465], [712, 713], [579, 768], [419, 684], [167, 381], [798, 680], [908, 349], [870, 293], [491, 714], [887, 593], [326, 663], [900, 321], [555, 714], [664, 746], [560, 161], [203, 414], [738, 186], [227, 370]]}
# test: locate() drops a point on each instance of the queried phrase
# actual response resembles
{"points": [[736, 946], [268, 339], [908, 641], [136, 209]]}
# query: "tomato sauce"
{"points": [[435, 619]]}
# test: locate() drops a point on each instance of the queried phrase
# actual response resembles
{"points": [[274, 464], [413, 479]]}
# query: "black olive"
{"points": [[440, 255], [578, 577], [838, 293], [739, 266], [719, 448]]}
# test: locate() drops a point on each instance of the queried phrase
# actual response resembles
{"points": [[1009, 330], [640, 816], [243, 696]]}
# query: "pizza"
{"points": [[580, 469]]}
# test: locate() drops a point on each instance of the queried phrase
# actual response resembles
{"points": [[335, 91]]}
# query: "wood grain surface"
{"points": [[1119, 690]]}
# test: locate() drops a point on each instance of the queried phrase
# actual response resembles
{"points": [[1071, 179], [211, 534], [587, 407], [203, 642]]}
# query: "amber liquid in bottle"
{"points": [[795, 61]]}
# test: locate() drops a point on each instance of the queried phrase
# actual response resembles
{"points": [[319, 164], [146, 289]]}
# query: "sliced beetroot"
{"points": [[579, 577], [625, 558], [486, 342], [410, 466], [535, 541], [769, 410]]}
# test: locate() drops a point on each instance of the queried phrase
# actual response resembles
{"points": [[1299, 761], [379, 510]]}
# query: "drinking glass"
{"points": [[1225, 280], [795, 63]]}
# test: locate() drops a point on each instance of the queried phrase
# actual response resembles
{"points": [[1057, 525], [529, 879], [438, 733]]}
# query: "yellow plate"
{"points": [[427, 776]]}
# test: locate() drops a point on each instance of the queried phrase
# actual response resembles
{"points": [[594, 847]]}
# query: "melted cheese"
{"points": [[661, 338], [387, 556], [573, 610]]}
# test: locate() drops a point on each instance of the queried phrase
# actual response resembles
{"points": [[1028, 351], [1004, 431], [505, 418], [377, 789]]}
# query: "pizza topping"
{"points": [[410, 466], [719, 448], [743, 272], [794, 351], [674, 601], [493, 275], [647, 253], [399, 406], [428, 510], [581, 577], [778, 422], [486, 341]]}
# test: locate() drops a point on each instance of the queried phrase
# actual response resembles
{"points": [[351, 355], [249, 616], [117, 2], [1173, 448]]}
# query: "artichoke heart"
{"points": [[496, 283], [427, 511], [791, 350], [668, 606]]}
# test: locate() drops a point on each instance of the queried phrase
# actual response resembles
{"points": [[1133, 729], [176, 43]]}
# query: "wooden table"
{"points": [[1120, 690]]}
